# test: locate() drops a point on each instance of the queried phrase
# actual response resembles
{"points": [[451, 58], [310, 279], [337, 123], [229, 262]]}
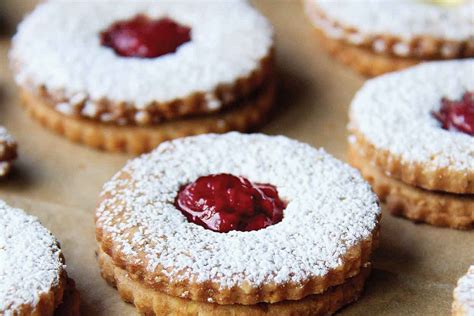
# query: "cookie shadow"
{"points": [[18, 179], [390, 253], [292, 90]]}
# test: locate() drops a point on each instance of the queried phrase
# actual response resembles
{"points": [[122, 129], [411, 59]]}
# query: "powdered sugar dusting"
{"points": [[330, 208], [5, 167], [6, 143], [407, 19], [394, 113], [30, 260], [464, 292], [5, 137], [58, 46]]}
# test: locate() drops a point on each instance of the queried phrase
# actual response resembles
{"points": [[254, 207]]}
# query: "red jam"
{"points": [[145, 38], [458, 115], [223, 202]]}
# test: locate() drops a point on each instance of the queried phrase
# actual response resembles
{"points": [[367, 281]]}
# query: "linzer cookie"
{"points": [[237, 224], [141, 72], [7, 151], [33, 279], [412, 137], [463, 304], [374, 37]]}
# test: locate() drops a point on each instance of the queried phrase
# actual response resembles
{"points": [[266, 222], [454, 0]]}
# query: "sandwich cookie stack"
{"points": [[237, 224], [413, 139], [125, 76]]}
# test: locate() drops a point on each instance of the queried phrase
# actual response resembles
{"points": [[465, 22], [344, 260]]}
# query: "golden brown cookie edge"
{"points": [[419, 205], [227, 94], [416, 174], [151, 302], [421, 48], [138, 139], [352, 261]]}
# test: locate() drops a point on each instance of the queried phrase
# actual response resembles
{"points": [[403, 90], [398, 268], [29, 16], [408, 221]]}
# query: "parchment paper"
{"points": [[416, 266]]}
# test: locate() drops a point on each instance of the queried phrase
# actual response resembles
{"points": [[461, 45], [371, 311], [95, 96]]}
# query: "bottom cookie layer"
{"points": [[63, 300], [138, 139], [152, 302], [435, 208], [71, 304], [363, 60], [8, 151]]}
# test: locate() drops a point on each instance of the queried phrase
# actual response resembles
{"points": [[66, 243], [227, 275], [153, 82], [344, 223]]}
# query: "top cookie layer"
{"points": [[464, 294], [331, 214], [5, 137], [30, 261], [392, 117], [404, 18], [404, 28], [58, 47]]}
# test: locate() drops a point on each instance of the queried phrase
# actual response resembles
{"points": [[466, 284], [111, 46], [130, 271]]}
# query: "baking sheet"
{"points": [[416, 266]]}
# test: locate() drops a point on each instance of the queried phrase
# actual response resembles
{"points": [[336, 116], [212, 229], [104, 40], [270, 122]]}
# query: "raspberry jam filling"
{"points": [[223, 202], [144, 37], [457, 115]]}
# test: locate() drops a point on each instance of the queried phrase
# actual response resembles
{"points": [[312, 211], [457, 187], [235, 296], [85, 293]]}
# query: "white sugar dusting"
{"points": [[5, 137], [58, 46], [30, 260], [6, 141], [5, 167], [330, 208], [394, 113], [406, 19], [464, 292]]}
